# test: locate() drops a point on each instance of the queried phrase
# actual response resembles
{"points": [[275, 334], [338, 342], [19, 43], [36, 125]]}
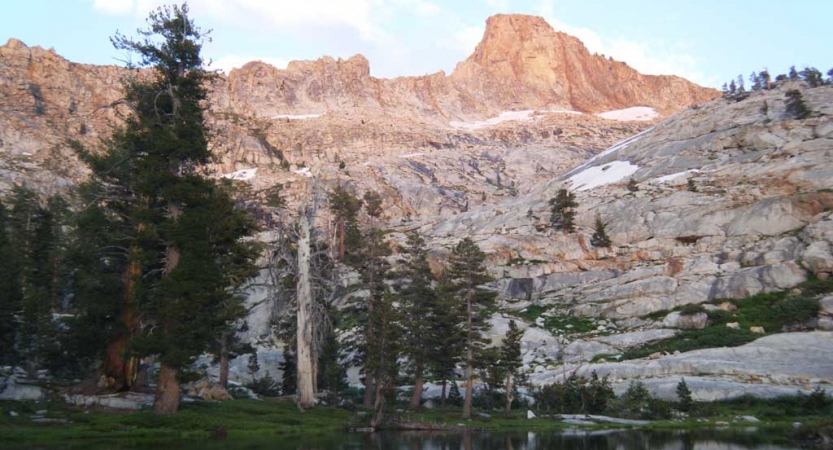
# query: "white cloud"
{"points": [[421, 7], [228, 62], [498, 5], [114, 7], [465, 39]]}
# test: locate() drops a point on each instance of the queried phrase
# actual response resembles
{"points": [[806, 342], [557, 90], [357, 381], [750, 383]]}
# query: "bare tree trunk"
{"points": [[224, 360], [443, 396], [368, 388], [508, 394], [306, 392], [166, 399], [469, 363], [416, 399], [341, 240], [379, 407]]}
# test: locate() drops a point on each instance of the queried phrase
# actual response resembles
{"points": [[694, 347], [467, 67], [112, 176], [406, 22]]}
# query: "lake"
{"points": [[726, 439]]}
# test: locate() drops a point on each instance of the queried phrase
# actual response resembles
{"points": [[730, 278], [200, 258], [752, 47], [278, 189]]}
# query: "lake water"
{"points": [[749, 439]]}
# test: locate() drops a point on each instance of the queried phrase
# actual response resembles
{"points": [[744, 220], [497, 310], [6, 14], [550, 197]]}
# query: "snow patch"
{"points": [[297, 116], [596, 176], [242, 175], [304, 171], [674, 176], [621, 145], [506, 116], [411, 155], [636, 113]]}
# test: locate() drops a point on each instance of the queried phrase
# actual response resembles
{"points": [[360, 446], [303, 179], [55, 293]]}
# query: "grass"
{"points": [[239, 418], [773, 311]]}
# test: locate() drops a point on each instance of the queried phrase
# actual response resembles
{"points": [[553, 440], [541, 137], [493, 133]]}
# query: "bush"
{"points": [[266, 387], [637, 403], [684, 396], [816, 402]]}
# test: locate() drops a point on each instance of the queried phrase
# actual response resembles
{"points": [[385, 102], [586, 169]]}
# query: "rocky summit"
{"points": [[705, 199]]}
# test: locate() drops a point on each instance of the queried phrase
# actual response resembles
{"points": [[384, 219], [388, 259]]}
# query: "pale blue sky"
{"points": [[707, 41]]}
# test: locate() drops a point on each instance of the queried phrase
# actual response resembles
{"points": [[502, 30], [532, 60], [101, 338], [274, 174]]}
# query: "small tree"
{"points": [[562, 214], [632, 186], [812, 76], [795, 104], [600, 238], [691, 186], [510, 355], [793, 74], [684, 396]]}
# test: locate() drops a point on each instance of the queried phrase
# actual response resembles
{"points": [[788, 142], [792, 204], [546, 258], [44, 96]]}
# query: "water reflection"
{"points": [[481, 440]]}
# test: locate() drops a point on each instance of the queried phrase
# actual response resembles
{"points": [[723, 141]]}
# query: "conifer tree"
{"points": [[447, 338], [795, 104], [562, 214], [755, 80], [812, 76], [733, 88], [418, 300], [793, 74], [632, 185], [184, 247], [11, 293], [466, 273], [684, 396], [345, 206], [511, 359], [600, 238]]}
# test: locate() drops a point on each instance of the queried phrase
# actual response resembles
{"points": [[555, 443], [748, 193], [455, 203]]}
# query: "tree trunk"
{"points": [[379, 407], [508, 394], [368, 388], [224, 360], [123, 370], [341, 239], [166, 399], [306, 393], [469, 363], [442, 396], [416, 399]]}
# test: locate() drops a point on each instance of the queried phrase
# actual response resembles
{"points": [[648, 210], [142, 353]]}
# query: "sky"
{"points": [[706, 41]]}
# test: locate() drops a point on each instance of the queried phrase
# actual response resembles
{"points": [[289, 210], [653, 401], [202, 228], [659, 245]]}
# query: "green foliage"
{"points": [[510, 351], [454, 396], [576, 395], [795, 104], [637, 403], [562, 211], [600, 238], [684, 396], [265, 386], [632, 185], [345, 206], [812, 77], [709, 337]]}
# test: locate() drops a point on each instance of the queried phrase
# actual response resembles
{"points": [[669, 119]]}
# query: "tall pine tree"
{"points": [[562, 211]]}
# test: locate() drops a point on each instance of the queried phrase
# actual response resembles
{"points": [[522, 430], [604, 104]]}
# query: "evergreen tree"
{"points": [[684, 396], [830, 76], [741, 88], [755, 80], [795, 104], [511, 359], [725, 90], [185, 254], [562, 213], [600, 238], [765, 79], [345, 206], [733, 88], [691, 186], [632, 185], [418, 300], [466, 273], [11, 292], [812, 76], [793, 74], [447, 338], [289, 381], [454, 396]]}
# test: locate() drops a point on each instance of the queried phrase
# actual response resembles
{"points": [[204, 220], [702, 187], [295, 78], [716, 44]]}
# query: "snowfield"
{"points": [[304, 171], [637, 113], [596, 176], [242, 175], [507, 116]]}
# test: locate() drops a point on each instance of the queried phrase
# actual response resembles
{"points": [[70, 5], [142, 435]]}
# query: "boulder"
{"points": [[696, 321], [581, 350]]}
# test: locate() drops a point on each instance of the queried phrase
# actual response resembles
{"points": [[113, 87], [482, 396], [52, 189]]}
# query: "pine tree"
{"points": [[600, 238], [684, 396], [765, 79], [562, 213], [830, 76], [795, 104], [691, 185], [447, 337], [812, 76], [741, 88], [345, 206], [793, 74], [466, 273], [632, 185], [755, 80], [418, 300], [11, 292], [184, 248], [511, 359], [733, 88]]}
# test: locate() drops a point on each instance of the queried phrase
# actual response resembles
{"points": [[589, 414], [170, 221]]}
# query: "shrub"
{"points": [[577, 395], [266, 387], [684, 396]]}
